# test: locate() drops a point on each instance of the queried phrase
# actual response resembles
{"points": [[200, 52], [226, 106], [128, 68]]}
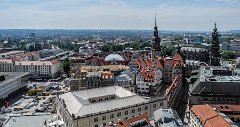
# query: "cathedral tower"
{"points": [[156, 49], [214, 49]]}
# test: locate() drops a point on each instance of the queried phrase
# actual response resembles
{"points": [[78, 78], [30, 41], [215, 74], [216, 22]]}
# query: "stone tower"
{"points": [[156, 49], [214, 49]]}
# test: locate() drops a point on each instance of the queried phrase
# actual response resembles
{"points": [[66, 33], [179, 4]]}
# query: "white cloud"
{"points": [[109, 14]]}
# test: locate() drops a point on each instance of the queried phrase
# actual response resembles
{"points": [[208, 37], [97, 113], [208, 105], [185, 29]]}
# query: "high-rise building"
{"points": [[156, 49], [214, 50]]}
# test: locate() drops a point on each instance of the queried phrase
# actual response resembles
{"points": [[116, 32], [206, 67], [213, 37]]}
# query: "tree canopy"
{"points": [[228, 55], [66, 66]]}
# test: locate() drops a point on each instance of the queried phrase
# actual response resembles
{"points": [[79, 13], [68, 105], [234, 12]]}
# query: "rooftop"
{"points": [[78, 103], [167, 117], [219, 83], [11, 52], [193, 49], [140, 120], [217, 74], [114, 57], [124, 77], [211, 118], [6, 61], [31, 120], [36, 62], [10, 76]]}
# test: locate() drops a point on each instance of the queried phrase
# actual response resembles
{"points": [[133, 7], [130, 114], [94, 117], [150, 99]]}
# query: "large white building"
{"points": [[39, 69], [6, 65], [97, 107], [10, 82]]}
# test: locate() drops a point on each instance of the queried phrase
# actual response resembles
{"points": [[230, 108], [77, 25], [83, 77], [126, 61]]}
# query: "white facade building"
{"points": [[13, 81], [6, 65], [97, 107], [39, 69], [145, 80]]}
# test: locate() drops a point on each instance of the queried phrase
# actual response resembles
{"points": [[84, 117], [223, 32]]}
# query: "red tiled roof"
{"points": [[179, 57], [170, 90], [150, 63], [125, 123], [226, 107], [208, 116], [149, 76]]}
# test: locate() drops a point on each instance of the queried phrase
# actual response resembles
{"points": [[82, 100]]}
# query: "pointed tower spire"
{"points": [[155, 41], [155, 27], [215, 27], [155, 20]]}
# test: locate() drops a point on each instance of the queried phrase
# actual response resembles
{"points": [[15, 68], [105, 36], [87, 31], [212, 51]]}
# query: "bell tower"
{"points": [[214, 49], [156, 49]]}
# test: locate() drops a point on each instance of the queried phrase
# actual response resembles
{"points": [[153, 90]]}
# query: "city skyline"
{"points": [[194, 15]]}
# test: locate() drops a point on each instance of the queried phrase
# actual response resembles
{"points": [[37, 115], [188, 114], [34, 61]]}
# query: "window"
{"points": [[103, 117], [96, 125], [112, 116], [95, 119], [146, 107], [161, 103], [139, 109], [118, 114], [126, 112], [154, 105], [133, 110]]}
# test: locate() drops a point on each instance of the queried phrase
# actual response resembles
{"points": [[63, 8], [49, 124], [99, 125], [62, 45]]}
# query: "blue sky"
{"points": [[189, 15]]}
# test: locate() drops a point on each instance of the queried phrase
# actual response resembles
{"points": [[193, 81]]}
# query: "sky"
{"points": [[190, 15]]}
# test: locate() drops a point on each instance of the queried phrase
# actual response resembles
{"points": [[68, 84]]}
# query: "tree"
{"points": [[228, 55], [76, 48], [66, 66], [116, 48], [31, 48], [106, 48], [169, 51]]}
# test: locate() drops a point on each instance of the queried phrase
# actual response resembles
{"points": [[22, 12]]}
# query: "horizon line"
{"points": [[112, 29]]}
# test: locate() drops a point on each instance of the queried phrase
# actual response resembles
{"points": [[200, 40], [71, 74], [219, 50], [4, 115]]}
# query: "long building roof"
{"points": [[78, 103]]}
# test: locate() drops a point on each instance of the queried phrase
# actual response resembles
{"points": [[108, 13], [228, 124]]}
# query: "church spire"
{"points": [[155, 20], [215, 27], [155, 27], [214, 49], [156, 49]]}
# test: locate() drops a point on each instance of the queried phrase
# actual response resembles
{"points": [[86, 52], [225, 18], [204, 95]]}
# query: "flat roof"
{"points": [[31, 120], [10, 76]]}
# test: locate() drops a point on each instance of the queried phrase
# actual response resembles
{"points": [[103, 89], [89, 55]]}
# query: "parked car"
{"points": [[8, 110], [40, 110]]}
